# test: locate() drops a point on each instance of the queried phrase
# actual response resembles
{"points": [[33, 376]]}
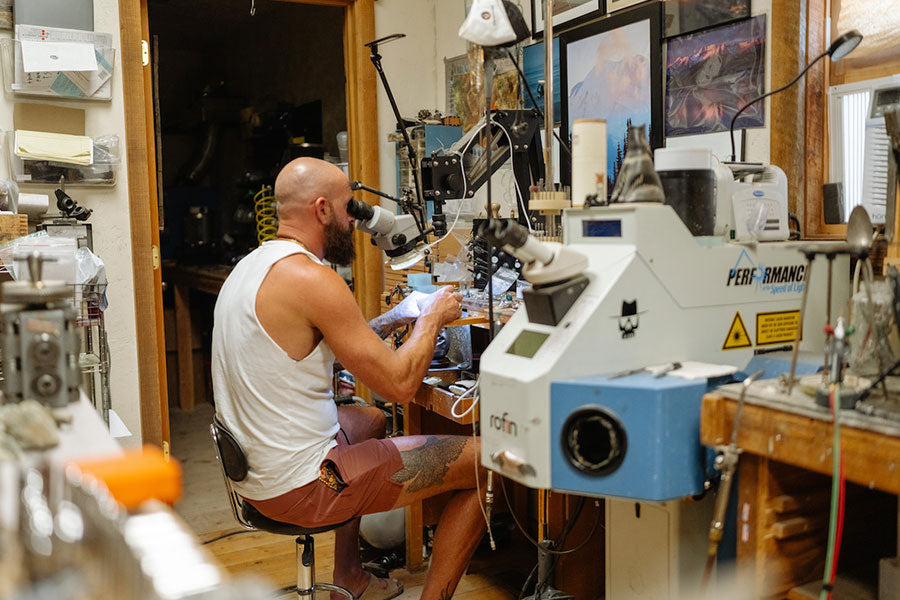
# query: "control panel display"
{"points": [[528, 343], [601, 228]]}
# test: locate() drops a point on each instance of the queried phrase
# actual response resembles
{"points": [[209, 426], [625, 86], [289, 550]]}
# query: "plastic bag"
{"points": [[59, 251], [870, 350]]}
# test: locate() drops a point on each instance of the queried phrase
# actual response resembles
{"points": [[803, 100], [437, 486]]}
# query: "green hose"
{"points": [[835, 492]]}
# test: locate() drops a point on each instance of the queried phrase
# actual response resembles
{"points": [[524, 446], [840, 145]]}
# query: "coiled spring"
{"points": [[266, 219]]}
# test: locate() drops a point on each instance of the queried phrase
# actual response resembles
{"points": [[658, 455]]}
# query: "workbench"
{"points": [[783, 486], [207, 279]]}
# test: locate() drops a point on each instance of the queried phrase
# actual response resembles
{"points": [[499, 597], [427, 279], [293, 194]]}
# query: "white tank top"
{"points": [[280, 410]]}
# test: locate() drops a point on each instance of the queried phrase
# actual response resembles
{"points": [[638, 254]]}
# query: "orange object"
{"points": [[136, 476]]}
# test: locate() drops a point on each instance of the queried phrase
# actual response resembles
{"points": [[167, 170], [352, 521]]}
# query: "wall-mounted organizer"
{"points": [[74, 85], [101, 171]]}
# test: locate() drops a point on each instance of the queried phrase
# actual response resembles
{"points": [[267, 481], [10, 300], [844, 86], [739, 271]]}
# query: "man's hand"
{"points": [[409, 308], [444, 304]]}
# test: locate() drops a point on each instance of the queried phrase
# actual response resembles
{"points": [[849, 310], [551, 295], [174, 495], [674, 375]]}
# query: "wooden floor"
{"points": [[205, 508]]}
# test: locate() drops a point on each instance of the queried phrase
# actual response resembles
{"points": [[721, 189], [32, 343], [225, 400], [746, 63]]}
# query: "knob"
{"points": [[45, 384], [44, 350], [509, 461]]}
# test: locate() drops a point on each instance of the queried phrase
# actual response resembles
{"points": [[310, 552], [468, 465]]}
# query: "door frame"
{"points": [[362, 129]]}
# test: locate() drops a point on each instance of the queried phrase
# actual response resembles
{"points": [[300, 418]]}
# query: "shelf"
{"points": [[51, 85], [103, 171]]}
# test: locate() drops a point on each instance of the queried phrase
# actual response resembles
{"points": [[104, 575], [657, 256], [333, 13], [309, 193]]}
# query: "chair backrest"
{"points": [[231, 455], [234, 466]]}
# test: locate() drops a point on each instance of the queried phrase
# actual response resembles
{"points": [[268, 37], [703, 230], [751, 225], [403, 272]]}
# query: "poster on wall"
{"points": [[685, 16], [712, 74], [612, 71], [533, 67], [455, 69], [564, 12], [465, 98]]}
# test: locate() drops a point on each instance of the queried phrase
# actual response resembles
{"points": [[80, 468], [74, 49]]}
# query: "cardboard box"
{"points": [[12, 227]]}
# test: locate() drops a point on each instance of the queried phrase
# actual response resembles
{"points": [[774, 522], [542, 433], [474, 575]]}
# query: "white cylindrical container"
{"points": [[588, 160]]}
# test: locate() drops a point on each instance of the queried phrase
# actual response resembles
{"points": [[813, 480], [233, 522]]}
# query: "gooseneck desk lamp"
{"points": [[839, 48]]}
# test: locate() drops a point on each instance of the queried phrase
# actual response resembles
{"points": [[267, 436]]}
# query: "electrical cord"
{"points": [[225, 535], [567, 529], [519, 195], [476, 397], [532, 540], [527, 581], [484, 512]]}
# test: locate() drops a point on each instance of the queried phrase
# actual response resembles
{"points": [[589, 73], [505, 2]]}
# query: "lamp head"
{"points": [[844, 44]]}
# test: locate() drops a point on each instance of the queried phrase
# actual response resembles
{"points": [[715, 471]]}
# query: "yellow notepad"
{"points": [[42, 145]]}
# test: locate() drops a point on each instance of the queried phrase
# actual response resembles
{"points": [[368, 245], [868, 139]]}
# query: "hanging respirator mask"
{"points": [[494, 23]]}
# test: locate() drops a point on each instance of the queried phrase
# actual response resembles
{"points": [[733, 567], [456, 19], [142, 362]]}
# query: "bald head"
{"points": [[303, 180]]}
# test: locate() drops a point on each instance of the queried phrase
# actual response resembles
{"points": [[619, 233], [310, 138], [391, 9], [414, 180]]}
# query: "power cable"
{"points": [[535, 543], [225, 535]]}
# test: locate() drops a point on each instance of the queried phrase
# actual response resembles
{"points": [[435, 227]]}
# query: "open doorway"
{"points": [[238, 96]]}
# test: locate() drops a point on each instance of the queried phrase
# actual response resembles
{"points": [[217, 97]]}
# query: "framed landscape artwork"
{"points": [[711, 74], [533, 67], [612, 70]]}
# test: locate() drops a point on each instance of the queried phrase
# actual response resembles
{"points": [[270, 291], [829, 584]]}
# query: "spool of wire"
{"points": [[266, 219]]}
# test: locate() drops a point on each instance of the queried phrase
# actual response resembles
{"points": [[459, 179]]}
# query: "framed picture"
{"points": [[614, 5], [564, 11], [505, 93], [465, 101], [612, 70], [533, 67], [685, 16], [455, 69], [712, 74]]}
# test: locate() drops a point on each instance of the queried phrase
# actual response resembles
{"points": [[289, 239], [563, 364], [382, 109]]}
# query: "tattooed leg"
{"points": [[436, 464], [426, 466]]}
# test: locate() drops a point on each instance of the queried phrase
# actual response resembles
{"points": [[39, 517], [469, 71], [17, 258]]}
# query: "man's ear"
{"points": [[322, 209]]}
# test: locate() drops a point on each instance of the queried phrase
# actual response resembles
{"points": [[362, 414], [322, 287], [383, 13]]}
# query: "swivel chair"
{"points": [[234, 468]]}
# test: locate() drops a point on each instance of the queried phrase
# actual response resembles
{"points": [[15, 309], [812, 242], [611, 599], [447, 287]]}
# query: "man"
{"points": [[281, 318]]}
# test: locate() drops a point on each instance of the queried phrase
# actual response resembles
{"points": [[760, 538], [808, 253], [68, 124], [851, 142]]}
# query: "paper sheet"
{"points": [[58, 147], [71, 84], [117, 427], [57, 56], [699, 370]]}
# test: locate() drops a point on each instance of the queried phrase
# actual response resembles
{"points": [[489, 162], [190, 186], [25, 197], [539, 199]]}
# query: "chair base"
{"points": [[311, 593]]}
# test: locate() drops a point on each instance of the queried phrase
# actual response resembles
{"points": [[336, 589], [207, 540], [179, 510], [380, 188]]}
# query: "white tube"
{"points": [[588, 160]]}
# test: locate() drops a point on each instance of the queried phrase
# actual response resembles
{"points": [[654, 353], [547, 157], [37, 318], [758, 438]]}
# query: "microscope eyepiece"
{"points": [[504, 232], [360, 210]]}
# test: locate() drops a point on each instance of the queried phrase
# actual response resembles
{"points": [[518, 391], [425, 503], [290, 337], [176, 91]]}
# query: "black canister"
{"points": [[692, 193]]}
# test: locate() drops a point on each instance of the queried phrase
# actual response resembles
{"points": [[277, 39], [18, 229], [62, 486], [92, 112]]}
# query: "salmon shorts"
{"points": [[354, 480]]}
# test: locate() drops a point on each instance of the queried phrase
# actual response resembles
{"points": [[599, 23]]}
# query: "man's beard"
{"points": [[339, 247]]}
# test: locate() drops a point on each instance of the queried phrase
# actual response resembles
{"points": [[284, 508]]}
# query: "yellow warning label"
{"points": [[737, 335], [777, 327]]}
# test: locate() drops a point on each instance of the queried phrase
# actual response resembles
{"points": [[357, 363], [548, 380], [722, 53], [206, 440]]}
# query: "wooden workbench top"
{"points": [[801, 434]]}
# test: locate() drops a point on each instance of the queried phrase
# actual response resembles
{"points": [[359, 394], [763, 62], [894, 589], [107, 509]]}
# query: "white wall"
{"points": [[418, 81], [757, 143], [409, 64], [111, 227]]}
